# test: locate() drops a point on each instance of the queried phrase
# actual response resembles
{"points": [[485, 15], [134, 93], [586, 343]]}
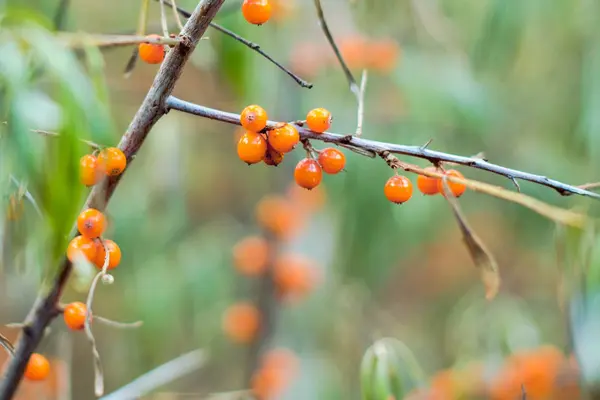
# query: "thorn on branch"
{"points": [[514, 181], [7, 345], [426, 145]]}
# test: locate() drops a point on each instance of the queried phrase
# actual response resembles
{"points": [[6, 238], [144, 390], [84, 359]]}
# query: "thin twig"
{"points": [[354, 143], [247, 43], [82, 40], [176, 15], [163, 19], [361, 103], [8, 346], [93, 145], [116, 324], [27, 194], [141, 30], [160, 376], [151, 110], [349, 77]]}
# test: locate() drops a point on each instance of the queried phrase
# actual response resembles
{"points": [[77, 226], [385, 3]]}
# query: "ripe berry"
{"points": [[273, 157], [83, 245], [308, 173], [112, 161], [279, 216], [38, 368], [74, 315], [318, 120], [256, 12], [332, 160], [398, 189], [427, 185], [250, 256], [254, 118], [114, 253], [150, 52], [284, 139], [91, 223], [278, 367], [457, 189], [294, 276], [241, 322], [89, 171], [252, 147]]}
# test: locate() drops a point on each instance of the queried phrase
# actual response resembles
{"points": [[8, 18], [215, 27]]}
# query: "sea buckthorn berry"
{"points": [[112, 161], [273, 157], [151, 53], [279, 216], [398, 189], [74, 315], [254, 118], [83, 245], [284, 139], [252, 148], [277, 368], [256, 12], [250, 256], [294, 276], [428, 185], [332, 160], [38, 368], [114, 253], [241, 322], [308, 173], [318, 120], [307, 201], [456, 188], [91, 223], [89, 170]]}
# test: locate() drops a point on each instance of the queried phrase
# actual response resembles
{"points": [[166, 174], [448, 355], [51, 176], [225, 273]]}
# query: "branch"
{"points": [[151, 110], [80, 40], [251, 45], [367, 147]]}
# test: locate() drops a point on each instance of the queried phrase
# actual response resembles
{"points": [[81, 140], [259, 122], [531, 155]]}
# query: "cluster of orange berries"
{"points": [[545, 373], [399, 189], [270, 147], [110, 161]]}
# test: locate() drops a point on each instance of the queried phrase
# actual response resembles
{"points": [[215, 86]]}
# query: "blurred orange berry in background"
{"points": [[294, 275], [308, 201], [279, 216], [275, 372], [383, 55], [250, 255], [241, 322]]}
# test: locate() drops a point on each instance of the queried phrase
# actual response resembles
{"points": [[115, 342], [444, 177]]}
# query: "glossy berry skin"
{"points": [[86, 246], [332, 160], [114, 253], [38, 368], [112, 161], [426, 185], [74, 315], [89, 170], [254, 118], [252, 147], [273, 157], [398, 189], [318, 120], [256, 12], [151, 53], [91, 223], [457, 189], [284, 139], [308, 173]]}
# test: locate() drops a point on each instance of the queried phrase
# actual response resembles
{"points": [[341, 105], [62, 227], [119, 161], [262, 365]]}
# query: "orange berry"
{"points": [[318, 120], [427, 185], [254, 118], [256, 12], [112, 161], [278, 215], [383, 55], [332, 160], [294, 276], [83, 245], [273, 157], [241, 322], [281, 359], [38, 368], [91, 223], [278, 367], [250, 256], [74, 315], [89, 171], [252, 148], [398, 189], [308, 173], [456, 188], [284, 139], [150, 52], [114, 253]]}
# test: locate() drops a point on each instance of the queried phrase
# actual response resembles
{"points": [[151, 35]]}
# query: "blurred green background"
{"points": [[518, 80]]}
